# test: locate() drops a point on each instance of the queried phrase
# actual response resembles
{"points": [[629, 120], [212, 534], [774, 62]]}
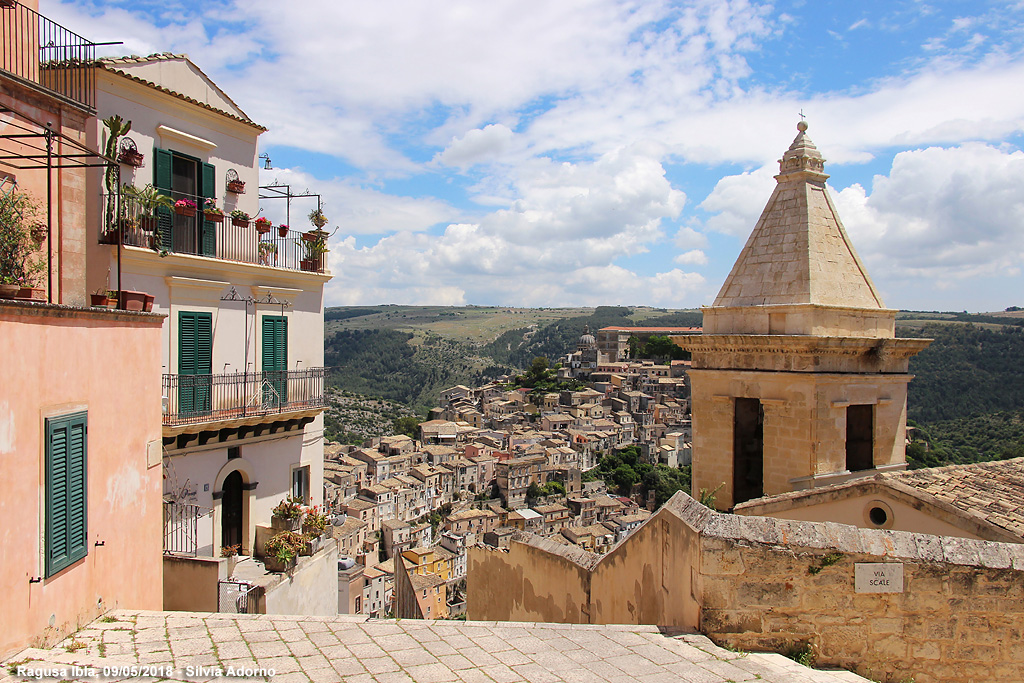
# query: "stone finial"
{"points": [[802, 157]]}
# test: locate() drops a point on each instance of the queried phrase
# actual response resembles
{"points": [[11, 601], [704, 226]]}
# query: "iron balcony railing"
{"points": [[45, 53], [181, 527], [179, 231], [190, 399]]}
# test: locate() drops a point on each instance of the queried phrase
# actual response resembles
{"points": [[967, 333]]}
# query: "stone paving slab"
{"points": [[352, 649]]}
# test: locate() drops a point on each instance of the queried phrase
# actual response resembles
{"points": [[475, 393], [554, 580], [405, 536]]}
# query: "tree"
{"points": [[554, 488], [534, 491], [409, 425]]}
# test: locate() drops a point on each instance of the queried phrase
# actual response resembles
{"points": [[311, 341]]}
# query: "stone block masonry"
{"points": [[761, 584]]}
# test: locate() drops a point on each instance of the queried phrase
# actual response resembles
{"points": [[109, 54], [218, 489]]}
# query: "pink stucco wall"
{"points": [[59, 360]]}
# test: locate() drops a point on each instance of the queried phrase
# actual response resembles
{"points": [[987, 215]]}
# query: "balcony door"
{"points": [[275, 359], [195, 361], [182, 176]]}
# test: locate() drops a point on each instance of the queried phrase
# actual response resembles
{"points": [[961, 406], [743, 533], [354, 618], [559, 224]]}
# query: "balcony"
{"points": [[220, 237], [240, 396], [40, 51]]}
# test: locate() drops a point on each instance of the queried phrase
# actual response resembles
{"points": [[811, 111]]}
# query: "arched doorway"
{"points": [[231, 510]]}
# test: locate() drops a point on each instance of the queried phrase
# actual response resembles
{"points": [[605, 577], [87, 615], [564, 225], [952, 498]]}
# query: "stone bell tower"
{"points": [[798, 380]]}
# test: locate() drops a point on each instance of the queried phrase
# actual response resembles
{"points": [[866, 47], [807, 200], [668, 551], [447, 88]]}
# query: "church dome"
{"points": [[587, 339]]}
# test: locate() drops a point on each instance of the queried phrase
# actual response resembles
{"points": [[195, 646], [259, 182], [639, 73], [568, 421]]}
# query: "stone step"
{"points": [[770, 664]]}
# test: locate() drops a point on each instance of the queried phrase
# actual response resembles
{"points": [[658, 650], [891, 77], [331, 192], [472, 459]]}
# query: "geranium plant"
{"points": [[184, 203], [210, 208], [314, 519]]}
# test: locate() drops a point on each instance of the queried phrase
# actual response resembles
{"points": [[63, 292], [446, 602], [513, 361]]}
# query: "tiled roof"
{"points": [[111, 64], [993, 491]]}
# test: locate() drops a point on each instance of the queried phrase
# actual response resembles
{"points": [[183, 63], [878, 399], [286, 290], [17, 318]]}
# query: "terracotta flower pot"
{"points": [[214, 217], [282, 232], [239, 222], [236, 186], [187, 211], [134, 301], [274, 565], [9, 291], [32, 293], [262, 228], [285, 523]]}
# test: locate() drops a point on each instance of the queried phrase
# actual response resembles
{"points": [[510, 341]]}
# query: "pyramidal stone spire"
{"points": [[799, 252]]}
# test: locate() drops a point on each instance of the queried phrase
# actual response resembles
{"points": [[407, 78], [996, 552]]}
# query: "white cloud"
{"points": [[477, 145], [688, 238], [738, 200], [942, 214], [557, 243], [694, 257]]}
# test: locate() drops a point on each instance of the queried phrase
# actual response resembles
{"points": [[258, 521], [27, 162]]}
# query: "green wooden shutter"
{"points": [[162, 181], [195, 361], [275, 357], [66, 539], [208, 189]]}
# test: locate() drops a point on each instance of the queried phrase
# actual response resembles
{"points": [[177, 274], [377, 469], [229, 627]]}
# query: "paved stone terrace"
{"points": [[358, 650]]}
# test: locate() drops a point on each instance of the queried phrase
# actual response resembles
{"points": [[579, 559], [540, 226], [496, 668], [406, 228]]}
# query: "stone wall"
{"points": [[310, 589], [534, 580], [757, 583]]}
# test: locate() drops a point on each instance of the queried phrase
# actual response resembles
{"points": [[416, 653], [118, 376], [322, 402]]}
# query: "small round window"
{"points": [[878, 515]]}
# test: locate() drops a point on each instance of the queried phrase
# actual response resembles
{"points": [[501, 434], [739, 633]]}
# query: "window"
{"points": [[860, 437], [275, 359], [300, 483], [66, 491], [182, 176], [195, 361]]}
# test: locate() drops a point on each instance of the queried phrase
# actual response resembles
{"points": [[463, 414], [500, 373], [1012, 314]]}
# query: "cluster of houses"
{"points": [[493, 460]]}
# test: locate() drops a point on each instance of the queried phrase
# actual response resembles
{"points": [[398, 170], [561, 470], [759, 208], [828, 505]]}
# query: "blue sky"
{"points": [[587, 152]]}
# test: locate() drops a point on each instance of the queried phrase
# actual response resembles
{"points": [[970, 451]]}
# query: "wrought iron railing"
{"points": [[204, 398], [42, 51], [178, 231], [181, 527]]}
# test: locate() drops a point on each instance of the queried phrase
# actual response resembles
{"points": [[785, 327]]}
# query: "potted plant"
{"points": [[129, 154], [314, 522], [230, 552], [266, 249], [143, 203], [234, 185], [185, 207], [263, 225], [282, 230], [317, 218], [211, 212], [314, 245], [280, 551], [287, 515], [99, 299], [239, 218], [20, 260]]}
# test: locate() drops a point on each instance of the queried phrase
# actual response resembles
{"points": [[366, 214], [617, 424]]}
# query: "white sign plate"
{"points": [[878, 577]]}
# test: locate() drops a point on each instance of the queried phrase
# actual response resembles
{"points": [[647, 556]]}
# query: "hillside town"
{"points": [[498, 458]]}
